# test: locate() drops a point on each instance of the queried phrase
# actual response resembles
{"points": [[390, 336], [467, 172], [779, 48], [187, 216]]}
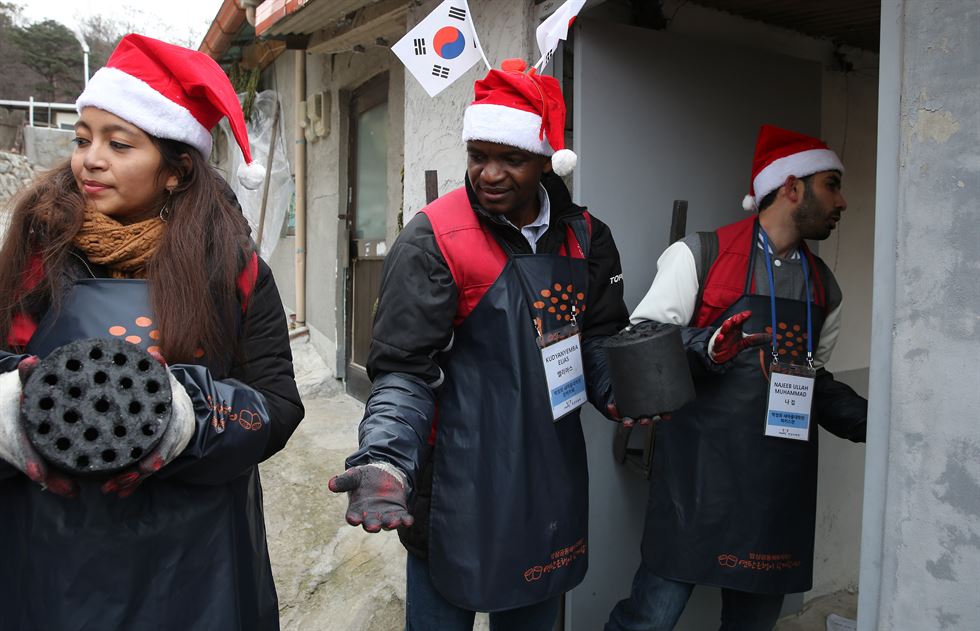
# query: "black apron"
{"points": [[171, 556], [98, 308], [729, 506], [509, 515]]}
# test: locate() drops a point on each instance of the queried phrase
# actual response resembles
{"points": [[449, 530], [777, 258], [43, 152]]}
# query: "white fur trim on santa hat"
{"points": [[799, 164], [134, 101], [251, 175], [505, 125]]}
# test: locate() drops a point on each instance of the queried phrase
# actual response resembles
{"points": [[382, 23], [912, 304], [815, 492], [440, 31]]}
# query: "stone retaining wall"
{"points": [[15, 173]]}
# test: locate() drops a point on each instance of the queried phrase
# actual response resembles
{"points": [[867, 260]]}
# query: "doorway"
{"points": [[367, 213], [686, 131]]}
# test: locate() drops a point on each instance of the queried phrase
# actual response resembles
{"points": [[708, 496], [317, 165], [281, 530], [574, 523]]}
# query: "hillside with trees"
{"points": [[44, 59]]}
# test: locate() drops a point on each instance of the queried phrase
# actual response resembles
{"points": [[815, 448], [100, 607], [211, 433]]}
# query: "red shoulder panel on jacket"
{"points": [[725, 281], [247, 279], [474, 257]]}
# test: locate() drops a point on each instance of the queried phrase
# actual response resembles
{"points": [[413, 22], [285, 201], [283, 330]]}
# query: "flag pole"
{"points": [[476, 38]]}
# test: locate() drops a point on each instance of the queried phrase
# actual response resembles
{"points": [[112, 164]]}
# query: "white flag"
{"points": [[440, 48], [555, 29]]}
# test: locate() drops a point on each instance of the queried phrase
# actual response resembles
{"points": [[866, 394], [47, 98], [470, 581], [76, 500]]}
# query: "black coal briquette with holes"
{"points": [[96, 406]]}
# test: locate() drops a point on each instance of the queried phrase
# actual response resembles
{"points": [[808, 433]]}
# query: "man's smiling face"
{"points": [[505, 179]]}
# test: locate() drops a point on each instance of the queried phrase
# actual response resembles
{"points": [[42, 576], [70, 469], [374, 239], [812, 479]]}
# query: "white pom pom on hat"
{"points": [[251, 175], [748, 203], [563, 162]]}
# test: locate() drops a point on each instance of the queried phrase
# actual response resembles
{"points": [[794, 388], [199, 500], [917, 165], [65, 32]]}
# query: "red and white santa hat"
{"points": [[780, 153], [170, 92], [520, 109]]}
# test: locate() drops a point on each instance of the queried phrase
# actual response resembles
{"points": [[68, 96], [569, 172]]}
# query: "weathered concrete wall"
{"points": [[923, 572], [47, 147], [849, 124], [11, 124], [16, 172]]}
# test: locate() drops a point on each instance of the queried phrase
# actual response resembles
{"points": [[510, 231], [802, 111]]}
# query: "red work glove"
{"points": [[729, 340], [176, 435], [378, 497], [613, 413], [15, 447]]}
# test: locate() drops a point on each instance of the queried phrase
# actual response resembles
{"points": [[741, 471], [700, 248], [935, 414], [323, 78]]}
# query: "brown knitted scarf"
{"points": [[124, 249]]}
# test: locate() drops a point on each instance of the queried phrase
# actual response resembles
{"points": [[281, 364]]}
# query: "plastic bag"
{"points": [[280, 179]]}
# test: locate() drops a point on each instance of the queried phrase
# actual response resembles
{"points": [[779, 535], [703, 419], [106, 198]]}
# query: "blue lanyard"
{"points": [[772, 300]]}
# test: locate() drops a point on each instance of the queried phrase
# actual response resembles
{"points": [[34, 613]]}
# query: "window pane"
{"points": [[372, 174]]}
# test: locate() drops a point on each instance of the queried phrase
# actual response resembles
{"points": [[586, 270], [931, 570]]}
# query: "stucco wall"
{"points": [[929, 552]]}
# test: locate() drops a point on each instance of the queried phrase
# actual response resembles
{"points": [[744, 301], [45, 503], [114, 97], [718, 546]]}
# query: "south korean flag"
{"points": [[441, 47]]}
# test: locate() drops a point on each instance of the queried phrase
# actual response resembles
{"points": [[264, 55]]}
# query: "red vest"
{"points": [[725, 281], [474, 256]]}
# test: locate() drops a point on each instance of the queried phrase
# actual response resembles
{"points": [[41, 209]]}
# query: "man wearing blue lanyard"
{"points": [[494, 300], [733, 491]]}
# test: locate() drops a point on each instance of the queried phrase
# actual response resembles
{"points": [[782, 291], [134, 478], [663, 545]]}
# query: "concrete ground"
{"points": [[813, 617], [333, 577]]}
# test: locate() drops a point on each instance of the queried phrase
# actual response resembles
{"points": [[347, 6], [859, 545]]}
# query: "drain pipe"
{"points": [[299, 100]]}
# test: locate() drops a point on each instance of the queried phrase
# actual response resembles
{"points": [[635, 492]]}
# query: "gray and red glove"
{"points": [[729, 340], [176, 436], [378, 496], [15, 448], [612, 412]]}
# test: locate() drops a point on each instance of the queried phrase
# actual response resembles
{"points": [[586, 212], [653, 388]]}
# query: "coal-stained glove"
{"points": [[729, 340], [612, 413], [176, 436], [378, 496], [15, 447]]}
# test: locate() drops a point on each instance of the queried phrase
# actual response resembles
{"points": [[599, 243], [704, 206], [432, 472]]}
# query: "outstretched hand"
{"points": [[729, 340], [377, 496], [15, 447]]}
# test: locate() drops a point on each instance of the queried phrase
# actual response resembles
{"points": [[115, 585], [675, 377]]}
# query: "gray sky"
{"points": [[182, 22]]}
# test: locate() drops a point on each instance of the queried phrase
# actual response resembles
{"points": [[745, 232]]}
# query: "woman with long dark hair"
{"points": [[138, 238]]}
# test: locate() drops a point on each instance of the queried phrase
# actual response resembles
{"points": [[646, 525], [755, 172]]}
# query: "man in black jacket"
{"points": [[494, 302]]}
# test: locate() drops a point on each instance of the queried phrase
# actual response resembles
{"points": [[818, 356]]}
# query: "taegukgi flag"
{"points": [[441, 47], [555, 29]]}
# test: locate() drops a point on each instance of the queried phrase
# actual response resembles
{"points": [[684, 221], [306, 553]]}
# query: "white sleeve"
{"points": [[674, 291], [828, 337]]}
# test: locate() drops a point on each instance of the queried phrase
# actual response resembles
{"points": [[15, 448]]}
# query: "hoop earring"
{"points": [[165, 211]]}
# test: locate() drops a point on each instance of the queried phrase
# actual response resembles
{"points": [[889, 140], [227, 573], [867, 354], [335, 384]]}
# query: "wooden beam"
{"points": [[368, 23]]}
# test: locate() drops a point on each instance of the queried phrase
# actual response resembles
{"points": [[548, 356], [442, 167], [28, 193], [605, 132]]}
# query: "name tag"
{"points": [[566, 378], [790, 400]]}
